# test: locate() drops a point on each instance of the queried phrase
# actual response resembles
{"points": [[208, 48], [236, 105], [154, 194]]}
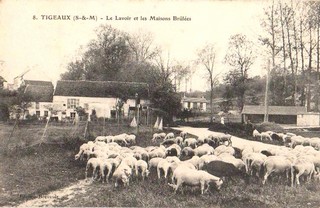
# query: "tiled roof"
{"points": [[37, 82], [274, 110], [2, 79], [40, 93], [81, 88]]}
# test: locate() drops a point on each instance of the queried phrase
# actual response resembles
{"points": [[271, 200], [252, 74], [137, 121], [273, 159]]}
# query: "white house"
{"points": [[100, 96], [41, 94], [194, 103]]}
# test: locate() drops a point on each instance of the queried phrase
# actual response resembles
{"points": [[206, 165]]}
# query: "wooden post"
{"points": [[138, 117], [266, 103], [85, 130], [15, 124], [45, 130]]}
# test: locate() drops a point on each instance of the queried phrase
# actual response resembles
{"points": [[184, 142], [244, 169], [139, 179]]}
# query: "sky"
{"points": [[29, 40]]}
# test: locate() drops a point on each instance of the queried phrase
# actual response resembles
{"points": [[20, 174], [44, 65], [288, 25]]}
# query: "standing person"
{"points": [[222, 120]]}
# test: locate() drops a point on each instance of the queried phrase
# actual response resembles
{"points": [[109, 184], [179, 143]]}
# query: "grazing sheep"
{"points": [[131, 139], [168, 142], [92, 163], [179, 140], [190, 142], [159, 152], [156, 137], [187, 152], [173, 150], [142, 168], [276, 164], [224, 169], [100, 139], [123, 174], [204, 149], [169, 136], [163, 166], [183, 134], [224, 149], [153, 163], [302, 166], [183, 175], [256, 134], [265, 135]]}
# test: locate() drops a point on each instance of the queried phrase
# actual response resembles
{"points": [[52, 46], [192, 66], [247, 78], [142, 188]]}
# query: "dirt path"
{"points": [[57, 197], [236, 141]]}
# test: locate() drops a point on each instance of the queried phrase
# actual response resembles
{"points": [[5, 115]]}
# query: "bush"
{"points": [[4, 112], [269, 126]]}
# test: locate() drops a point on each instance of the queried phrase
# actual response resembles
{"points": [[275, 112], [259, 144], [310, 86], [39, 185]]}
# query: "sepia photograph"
{"points": [[160, 103]]}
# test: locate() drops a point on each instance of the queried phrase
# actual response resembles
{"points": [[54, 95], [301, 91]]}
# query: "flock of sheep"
{"points": [[299, 157], [204, 161]]}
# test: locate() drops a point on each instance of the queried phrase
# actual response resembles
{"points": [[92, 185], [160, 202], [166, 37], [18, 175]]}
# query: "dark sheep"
{"points": [[224, 169], [277, 138], [172, 152], [168, 142], [266, 153]]}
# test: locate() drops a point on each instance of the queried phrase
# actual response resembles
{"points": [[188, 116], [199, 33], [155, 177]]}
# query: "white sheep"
{"points": [[191, 177], [256, 134], [123, 174], [169, 136], [142, 167], [204, 149], [153, 163], [183, 134], [190, 142], [163, 165], [131, 139], [92, 163]]}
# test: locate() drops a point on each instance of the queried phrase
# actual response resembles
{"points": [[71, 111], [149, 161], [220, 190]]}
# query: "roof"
{"points": [[38, 83], [274, 110], [2, 79], [193, 99], [84, 88], [40, 93]]}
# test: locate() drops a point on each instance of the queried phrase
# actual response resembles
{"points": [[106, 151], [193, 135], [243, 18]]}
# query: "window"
{"points": [[38, 114], [46, 113], [201, 106], [37, 105], [72, 115], [189, 105], [72, 103]]}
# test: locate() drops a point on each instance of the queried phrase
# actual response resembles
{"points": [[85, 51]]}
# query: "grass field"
{"points": [[31, 172]]}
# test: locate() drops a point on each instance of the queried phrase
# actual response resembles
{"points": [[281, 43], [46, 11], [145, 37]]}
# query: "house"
{"points": [[281, 114], [41, 93], [192, 103], [3, 83], [100, 97]]}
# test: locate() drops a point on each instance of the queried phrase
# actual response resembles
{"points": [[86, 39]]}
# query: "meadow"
{"points": [[30, 172]]}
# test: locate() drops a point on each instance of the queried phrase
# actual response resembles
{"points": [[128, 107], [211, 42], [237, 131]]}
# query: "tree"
{"points": [[119, 56], [104, 58], [206, 57], [240, 58]]}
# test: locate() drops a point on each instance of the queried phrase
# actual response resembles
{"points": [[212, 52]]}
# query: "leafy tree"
{"points": [[118, 56]]}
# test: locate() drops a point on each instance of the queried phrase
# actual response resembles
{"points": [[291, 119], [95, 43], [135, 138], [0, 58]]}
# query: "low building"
{"points": [[3, 83], [192, 103], [281, 114], [100, 97], [42, 96]]}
